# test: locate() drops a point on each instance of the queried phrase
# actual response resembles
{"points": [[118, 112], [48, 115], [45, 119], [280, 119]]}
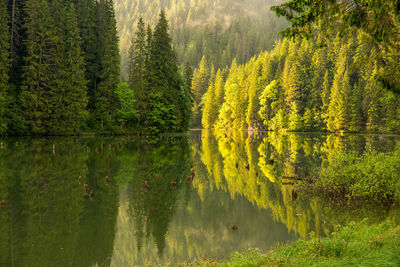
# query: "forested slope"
{"points": [[301, 87], [221, 30]]}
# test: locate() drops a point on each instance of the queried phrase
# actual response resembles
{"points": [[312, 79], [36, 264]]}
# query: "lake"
{"points": [[126, 201]]}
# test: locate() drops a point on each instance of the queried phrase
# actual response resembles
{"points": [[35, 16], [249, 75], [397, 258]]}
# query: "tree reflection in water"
{"points": [[149, 209]]}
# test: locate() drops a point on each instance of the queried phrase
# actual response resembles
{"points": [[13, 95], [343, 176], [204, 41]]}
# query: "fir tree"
{"points": [[72, 92], [138, 68], [107, 101], [200, 83], [4, 64], [38, 75], [165, 83], [88, 27]]}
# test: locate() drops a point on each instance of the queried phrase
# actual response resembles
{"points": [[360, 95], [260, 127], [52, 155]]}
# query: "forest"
{"points": [[59, 66], [343, 78], [60, 73], [221, 30], [330, 72]]}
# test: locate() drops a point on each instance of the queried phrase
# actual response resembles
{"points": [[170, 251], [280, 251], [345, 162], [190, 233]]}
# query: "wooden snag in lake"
{"points": [[91, 194], [294, 195], [234, 227], [173, 184], [144, 185], [85, 188]]}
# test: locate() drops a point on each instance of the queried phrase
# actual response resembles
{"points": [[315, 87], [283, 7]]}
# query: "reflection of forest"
{"points": [[47, 220], [255, 167], [149, 208]]}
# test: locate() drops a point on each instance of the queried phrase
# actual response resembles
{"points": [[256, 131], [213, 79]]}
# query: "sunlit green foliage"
{"points": [[371, 176], [376, 21], [302, 87]]}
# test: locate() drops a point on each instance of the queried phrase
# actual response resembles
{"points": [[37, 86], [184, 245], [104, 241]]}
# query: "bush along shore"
{"points": [[372, 177]]}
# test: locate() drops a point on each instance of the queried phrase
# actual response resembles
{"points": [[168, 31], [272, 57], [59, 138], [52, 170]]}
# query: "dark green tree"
{"points": [[137, 54], [165, 83], [38, 75], [107, 100]]}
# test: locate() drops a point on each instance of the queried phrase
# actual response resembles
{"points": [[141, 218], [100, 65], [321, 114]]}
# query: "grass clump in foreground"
{"points": [[357, 244]]}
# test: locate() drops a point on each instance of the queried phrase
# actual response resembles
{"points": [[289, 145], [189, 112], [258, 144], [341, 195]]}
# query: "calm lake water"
{"points": [[150, 210]]}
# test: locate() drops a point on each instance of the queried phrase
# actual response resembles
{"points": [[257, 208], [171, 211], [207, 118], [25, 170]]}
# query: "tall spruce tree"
{"points": [[165, 84], [38, 74], [106, 98], [137, 69], [200, 81], [88, 29], [72, 93], [4, 63]]}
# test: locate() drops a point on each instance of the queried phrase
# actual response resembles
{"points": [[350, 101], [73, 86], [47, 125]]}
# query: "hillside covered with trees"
{"points": [[221, 30], [347, 82]]}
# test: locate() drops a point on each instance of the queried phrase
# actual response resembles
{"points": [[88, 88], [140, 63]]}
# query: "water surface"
{"points": [[150, 210]]}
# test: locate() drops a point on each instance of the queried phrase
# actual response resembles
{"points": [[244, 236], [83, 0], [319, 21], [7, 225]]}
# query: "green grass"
{"points": [[357, 244]]}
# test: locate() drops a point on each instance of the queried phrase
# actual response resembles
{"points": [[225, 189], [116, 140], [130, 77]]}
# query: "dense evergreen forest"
{"points": [[162, 94], [221, 30], [59, 66], [340, 78], [60, 72]]}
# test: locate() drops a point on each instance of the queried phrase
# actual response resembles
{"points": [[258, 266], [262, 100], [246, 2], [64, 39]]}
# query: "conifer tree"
{"points": [[338, 119], [72, 100], [38, 75], [4, 64], [355, 109], [200, 83], [88, 27], [138, 68], [252, 117], [107, 101], [209, 107], [165, 83]]}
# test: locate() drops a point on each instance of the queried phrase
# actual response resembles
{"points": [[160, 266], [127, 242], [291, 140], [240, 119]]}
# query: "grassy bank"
{"points": [[353, 245]]}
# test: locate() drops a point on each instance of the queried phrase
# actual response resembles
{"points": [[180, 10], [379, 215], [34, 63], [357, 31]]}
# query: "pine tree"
{"points": [[252, 117], [38, 74], [166, 99], [4, 64], [339, 117], [209, 107], [355, 108], [72, 92], [137, 69], [107, 101], [88, 28], [200, 83]]}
